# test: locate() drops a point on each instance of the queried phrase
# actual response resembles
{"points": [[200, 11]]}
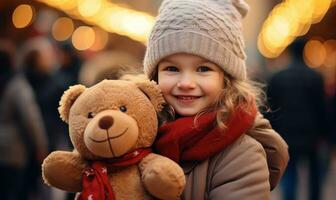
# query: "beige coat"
{"points": [[247, 169]]}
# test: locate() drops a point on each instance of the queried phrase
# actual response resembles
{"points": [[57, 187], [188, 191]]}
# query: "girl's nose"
{"points": [[186, 82]]}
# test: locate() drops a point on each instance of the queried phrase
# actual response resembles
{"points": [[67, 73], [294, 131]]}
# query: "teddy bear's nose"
{"points": [[106, 122]]}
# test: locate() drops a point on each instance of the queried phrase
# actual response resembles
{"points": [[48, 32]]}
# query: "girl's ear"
{"points": [[68, 99]]}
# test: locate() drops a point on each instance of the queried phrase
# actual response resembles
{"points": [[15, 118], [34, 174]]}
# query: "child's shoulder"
{"points": [[242, 163], [244, 146], [245, 151]]}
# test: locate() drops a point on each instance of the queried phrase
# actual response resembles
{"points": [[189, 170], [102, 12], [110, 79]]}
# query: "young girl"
{"points": [[215, 132]]}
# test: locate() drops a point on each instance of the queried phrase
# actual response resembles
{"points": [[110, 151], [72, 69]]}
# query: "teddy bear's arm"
{"points": [[63, 170], [162, 177]]}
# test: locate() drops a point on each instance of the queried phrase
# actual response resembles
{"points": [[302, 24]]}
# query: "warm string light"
{"points": [[108, 16], [288, 20], [82, 38]]}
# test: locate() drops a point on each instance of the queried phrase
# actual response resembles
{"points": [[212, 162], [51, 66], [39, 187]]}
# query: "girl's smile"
{"points": [[184, 99], [189, 83]]}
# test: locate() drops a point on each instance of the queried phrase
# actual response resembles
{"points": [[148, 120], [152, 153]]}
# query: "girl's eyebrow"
{"points": [[207, 62], [166, 61]]}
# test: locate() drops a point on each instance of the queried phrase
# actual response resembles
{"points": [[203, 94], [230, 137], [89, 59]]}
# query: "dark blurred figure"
{"points": [[22, 133], [49, 80], [333, 121], [40, 78], [39, 70], [49, 83], [297, 100], [70, 65]]}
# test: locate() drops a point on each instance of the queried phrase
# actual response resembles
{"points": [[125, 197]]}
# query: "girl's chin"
{"points": [[186, 113]]}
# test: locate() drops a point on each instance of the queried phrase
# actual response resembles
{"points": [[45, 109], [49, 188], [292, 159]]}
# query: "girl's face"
{"points": [[189, 83]]}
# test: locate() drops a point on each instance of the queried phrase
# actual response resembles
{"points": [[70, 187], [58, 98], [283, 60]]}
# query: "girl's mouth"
{"points": [[186, 99]]}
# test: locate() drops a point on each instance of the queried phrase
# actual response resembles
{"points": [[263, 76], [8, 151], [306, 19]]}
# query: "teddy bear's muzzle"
{"points": [[111, 133]]}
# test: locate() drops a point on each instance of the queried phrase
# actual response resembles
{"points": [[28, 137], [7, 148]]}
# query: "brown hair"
{"points": [[243, 93]]}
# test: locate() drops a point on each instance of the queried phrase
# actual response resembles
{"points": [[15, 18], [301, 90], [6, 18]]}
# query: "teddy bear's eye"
{"points": [[90, 115], [123, 108]]}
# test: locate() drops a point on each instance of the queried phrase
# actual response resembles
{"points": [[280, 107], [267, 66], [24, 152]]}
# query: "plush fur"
{"points": [[133, 105]]}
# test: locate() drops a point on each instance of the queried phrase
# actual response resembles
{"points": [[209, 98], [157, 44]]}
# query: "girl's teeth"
{"points": [[187, 98]]}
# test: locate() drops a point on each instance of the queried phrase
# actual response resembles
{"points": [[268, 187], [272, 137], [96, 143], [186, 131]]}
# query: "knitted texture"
{"points": [[207, 28]]}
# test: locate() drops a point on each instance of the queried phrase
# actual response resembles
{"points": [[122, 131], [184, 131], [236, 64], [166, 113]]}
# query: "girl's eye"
{"points": [[90, 115], [203, 69], [171, 69], [123, 108]]}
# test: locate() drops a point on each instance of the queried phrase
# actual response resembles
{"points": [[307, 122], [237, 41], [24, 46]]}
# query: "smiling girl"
{"points": [[213, 128]]}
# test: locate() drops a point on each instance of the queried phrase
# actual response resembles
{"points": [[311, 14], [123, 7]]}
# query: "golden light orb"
{"points": [[62, 28], [22, 16], [314, 53], [83, 38]]}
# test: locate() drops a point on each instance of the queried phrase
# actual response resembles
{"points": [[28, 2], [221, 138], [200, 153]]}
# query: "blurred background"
{"points": [[48, 45]]}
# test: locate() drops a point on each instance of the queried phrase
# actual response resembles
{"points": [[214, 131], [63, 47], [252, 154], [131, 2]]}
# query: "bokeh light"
{"points": [[330, 47], [62, 28], [83, 38], [22, 16], [88, 8], [288, 20], [314, 53], [320, 9], [109, 16], [101, 39]]}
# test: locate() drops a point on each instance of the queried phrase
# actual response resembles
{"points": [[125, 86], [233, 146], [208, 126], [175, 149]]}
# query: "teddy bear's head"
{"points": [[111, 118]]}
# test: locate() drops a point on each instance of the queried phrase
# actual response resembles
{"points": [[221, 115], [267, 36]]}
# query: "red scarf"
{"points": [[96, 185], [180, 140]]}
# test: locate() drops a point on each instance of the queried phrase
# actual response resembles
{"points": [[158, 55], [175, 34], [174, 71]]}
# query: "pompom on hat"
{"points": [[211, 29]]}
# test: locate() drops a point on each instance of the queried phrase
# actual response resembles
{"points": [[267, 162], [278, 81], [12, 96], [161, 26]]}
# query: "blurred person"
{"points": [[332, 133], [49, 80], [297, 100], [64, 77], [333, 122], [38, 62], [22, 133], [70, 64], [108, 65]]}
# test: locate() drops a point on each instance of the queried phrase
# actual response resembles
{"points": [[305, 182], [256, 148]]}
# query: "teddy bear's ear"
{"points": [[68, 98], [153, 92], [150, 88]]}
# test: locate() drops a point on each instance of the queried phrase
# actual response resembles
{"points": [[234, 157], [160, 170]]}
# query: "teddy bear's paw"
{"points": [[63, 170], [164, 179]]}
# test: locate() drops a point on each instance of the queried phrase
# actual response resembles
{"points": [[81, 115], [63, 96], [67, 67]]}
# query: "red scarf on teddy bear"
{"points": [[96, 185], [183, 140]]}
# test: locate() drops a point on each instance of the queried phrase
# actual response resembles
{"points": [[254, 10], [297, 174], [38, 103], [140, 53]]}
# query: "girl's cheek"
{"points": [[165, 81], [165, 88]]}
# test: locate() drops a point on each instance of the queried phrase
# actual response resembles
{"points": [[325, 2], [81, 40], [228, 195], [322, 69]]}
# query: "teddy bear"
{"points": [[112, 126]]}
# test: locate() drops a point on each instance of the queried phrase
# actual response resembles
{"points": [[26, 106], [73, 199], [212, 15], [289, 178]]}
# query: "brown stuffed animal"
{"points": [[112, 127]]}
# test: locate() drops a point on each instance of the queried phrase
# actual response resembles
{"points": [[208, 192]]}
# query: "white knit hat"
{"points": [[207, 28]]}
